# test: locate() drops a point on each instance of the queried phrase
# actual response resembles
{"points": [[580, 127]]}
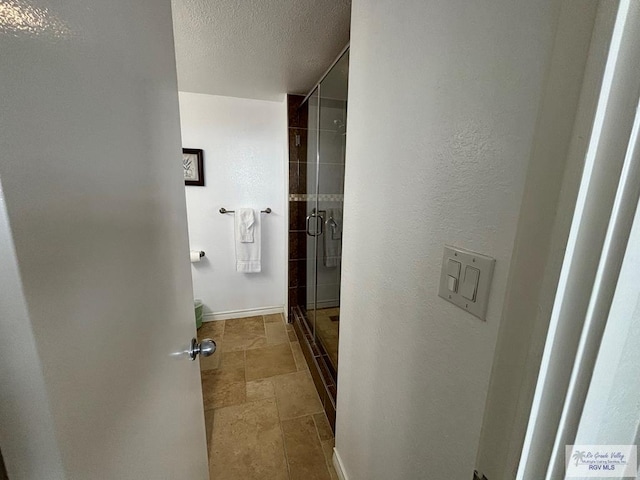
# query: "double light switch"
{"points": [[465, 279]]}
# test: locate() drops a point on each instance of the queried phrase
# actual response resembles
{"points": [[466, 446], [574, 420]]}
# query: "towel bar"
{"points": [[224, 210]]}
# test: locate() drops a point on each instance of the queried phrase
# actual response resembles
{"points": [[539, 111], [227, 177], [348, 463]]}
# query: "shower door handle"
{"points": [[309, 220], [317, 233]]}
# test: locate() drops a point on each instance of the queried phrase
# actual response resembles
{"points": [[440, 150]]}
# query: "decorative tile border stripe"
{"points": [[323, 197]]}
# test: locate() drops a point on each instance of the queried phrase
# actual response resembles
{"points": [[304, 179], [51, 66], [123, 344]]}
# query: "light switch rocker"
{"points": [[470, 283]]}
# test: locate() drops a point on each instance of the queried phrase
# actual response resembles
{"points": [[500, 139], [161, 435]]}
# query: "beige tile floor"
{"points": [[263, 415]]}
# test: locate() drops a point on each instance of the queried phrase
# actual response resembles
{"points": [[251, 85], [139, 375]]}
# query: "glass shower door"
{"points": [[321, 161], [332, 135]]}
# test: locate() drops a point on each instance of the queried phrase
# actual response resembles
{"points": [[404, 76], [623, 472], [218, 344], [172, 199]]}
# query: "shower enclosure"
{"points": [[317, 132]]}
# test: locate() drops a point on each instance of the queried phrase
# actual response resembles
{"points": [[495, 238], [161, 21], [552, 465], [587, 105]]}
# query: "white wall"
{"points": [[244, 143], [443, 102]]}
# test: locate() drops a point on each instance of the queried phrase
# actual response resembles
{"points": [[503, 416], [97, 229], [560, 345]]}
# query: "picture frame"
{"points": [[193, 166]]}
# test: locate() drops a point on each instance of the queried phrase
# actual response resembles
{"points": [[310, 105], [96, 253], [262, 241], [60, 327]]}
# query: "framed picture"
{"points": [[193, 165]]}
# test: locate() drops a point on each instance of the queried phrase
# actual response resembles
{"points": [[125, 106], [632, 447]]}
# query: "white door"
{"points": [[96, 306], [590, 289]]}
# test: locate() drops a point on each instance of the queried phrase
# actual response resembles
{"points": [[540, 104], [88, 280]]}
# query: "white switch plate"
{"points": [[473, 260]]}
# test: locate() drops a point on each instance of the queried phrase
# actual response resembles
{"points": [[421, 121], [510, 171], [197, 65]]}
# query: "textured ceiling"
{"points": [[257, 48]]}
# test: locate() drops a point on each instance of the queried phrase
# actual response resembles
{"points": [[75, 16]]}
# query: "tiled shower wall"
{"points": [[297, 122]]}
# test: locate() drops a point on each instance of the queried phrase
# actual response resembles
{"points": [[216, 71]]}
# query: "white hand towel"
{"points": [[245, 222], [247, 240], [332, 238]]}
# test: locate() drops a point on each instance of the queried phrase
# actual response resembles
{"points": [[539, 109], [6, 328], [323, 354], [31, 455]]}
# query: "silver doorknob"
{"points": [[205, 348]]}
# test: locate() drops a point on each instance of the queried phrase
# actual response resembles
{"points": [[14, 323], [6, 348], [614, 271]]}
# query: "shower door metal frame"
{"points": [[303, 312], [319, 355]]}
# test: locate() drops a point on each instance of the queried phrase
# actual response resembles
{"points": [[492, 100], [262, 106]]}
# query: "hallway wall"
{"points": [[440, 140], [244, 143]]}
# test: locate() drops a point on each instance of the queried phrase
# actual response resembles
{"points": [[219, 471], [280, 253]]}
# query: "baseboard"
{"points": [[337, 464], [251, 312]]}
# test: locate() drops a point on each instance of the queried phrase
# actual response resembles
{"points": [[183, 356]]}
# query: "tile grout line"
{"points": [[326, 461], [304, 415], [253, 401], [209, 439], [275, 399], [284, 442], [295, 361], [224, 328], [244, 366]]}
